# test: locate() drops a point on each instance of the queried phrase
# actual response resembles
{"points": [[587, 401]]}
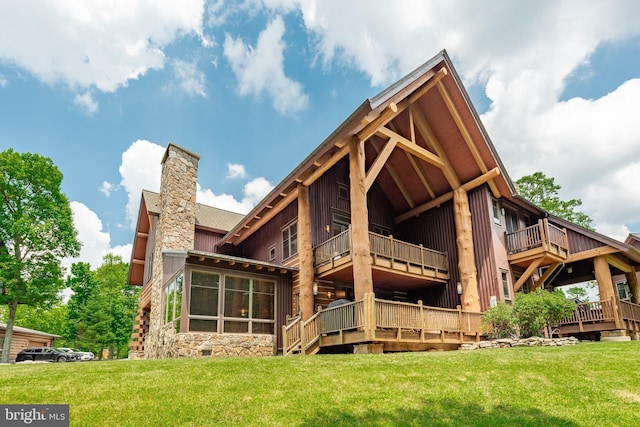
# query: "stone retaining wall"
{"points": [[218, 345], [521, 342]]}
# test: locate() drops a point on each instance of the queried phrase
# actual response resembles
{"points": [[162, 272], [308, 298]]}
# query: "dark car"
{"points": [[48, 354]]}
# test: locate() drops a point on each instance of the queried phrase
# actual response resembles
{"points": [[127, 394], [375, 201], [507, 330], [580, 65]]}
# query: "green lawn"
{"points": [[590, 384]]}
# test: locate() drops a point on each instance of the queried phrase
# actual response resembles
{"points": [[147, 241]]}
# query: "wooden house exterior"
{"points": [[24, 338], [405, 213]]}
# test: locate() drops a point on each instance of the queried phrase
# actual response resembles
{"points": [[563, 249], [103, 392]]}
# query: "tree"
{"points": [[543, 191], [102, 307], [36, 232], [578, 294], [538, 309]]}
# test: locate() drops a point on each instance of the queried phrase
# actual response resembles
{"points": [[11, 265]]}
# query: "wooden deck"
{"points": [[398, 326], [602, 316], [542, 240], [388, 254]]}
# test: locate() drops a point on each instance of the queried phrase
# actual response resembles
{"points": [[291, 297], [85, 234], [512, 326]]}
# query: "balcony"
{"points": [[542, 240], [600, 316], [391, 259]]}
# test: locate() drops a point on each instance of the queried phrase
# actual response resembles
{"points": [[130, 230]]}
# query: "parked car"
{"points": [[82, 355], [48, 354]]}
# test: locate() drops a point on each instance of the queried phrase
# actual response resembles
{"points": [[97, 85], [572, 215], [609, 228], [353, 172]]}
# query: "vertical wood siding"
{"points": [[581, 243], [258, 244], [435, 229], [205, 240], [479, 205]]}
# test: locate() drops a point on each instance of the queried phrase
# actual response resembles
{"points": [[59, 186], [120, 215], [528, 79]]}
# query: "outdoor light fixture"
{"points": [[329, 294], [569, 270], [459, 288], [315, 288]]}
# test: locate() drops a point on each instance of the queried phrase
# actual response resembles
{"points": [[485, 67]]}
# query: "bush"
{"points": [[538, 309], [530, 313], [499, 321]]}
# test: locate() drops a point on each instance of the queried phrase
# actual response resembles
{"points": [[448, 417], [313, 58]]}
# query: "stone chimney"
{"points": [[174, 231]]}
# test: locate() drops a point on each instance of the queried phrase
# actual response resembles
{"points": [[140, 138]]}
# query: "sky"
{"points": [[253, 86]]}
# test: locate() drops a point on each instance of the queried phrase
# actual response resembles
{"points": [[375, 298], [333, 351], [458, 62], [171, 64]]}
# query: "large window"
{"points": [[504, 275], [172, 301], [231, 303], [290, 240]]}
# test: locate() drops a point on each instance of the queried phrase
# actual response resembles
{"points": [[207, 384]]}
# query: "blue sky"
{"points": [[255, 86]]}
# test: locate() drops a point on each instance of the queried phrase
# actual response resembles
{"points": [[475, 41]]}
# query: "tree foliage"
{"points": [[543, 191], [102, 308], [529, 314], [36, 232]]}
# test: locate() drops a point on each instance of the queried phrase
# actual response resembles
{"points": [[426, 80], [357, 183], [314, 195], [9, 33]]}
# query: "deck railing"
{"points": [[333, 249], [343, 317], [384, 247], [630, 311], [291, 335], [393, 314], [542, 234], [590, 312]]}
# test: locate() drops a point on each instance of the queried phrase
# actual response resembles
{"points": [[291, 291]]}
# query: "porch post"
{"points": [[305, 253], [632, 281], [360, 250], [466, 261], [605, 285]]}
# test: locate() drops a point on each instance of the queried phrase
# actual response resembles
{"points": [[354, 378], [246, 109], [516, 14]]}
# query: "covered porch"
{"points": [[386, 325]]}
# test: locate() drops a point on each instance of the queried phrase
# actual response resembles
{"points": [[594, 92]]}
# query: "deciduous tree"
{"points": [[36, 232], [543, 191]]}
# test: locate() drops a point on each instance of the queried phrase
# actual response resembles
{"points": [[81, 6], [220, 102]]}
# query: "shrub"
{"points": [[499, 321], [535, 310]]}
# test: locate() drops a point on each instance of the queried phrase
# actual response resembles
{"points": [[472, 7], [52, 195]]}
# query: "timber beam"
{"points": [[527, 274], [326, 165], [379, 163], [476, 182], [444, 93], [591, 253], [545, 276], [619, 264], [396, 178]]}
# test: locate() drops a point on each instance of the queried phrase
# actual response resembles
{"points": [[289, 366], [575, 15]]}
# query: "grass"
{"points": [[591, 384]]}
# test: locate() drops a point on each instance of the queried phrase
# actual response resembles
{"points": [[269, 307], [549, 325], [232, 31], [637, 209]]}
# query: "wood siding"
{"points": [[435, 229], [22, 340], [479, 205], [205, 240], [270, 234], [580, 242]]}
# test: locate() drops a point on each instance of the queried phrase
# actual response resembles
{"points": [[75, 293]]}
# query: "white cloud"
{"points": [[140, 170], [525, 53], [261, 69], [95, 241], [107, 188], [106, 44], [236, 171], [87, 103], [253, 191], [189, 79], [3, 81]]}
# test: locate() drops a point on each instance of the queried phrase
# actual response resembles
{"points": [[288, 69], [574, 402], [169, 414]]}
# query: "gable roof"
{"points": [[3, 328], [448, 147]]}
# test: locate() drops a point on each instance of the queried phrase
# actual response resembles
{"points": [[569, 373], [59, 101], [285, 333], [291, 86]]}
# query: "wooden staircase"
{"points": [[301, 337]]}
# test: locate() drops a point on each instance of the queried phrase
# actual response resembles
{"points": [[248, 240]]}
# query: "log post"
{"points": [[466, 261], [605, 286], [360, 247], [632, 281], [305, 253]]}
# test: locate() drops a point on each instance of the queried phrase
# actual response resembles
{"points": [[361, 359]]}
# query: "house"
{"points": [[404, 217], [23, 338]]}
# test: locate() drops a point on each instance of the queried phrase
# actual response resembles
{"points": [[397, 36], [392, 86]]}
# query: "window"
{"points": [[340, 222], [378, 229], [511, 220], [496, 211], [203, 307], [623, 291], [343, 191], [272, 253], [172, 301], [231, 304], [504, 274], [290, 240]]}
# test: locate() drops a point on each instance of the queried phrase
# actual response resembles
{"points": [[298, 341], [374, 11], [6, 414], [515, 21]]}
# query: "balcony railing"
{"points": [[373, 318], [382, 247], [541, 235]]}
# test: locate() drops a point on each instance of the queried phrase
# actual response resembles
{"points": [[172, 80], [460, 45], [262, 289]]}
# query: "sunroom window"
{"points": [[172, 301]]}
